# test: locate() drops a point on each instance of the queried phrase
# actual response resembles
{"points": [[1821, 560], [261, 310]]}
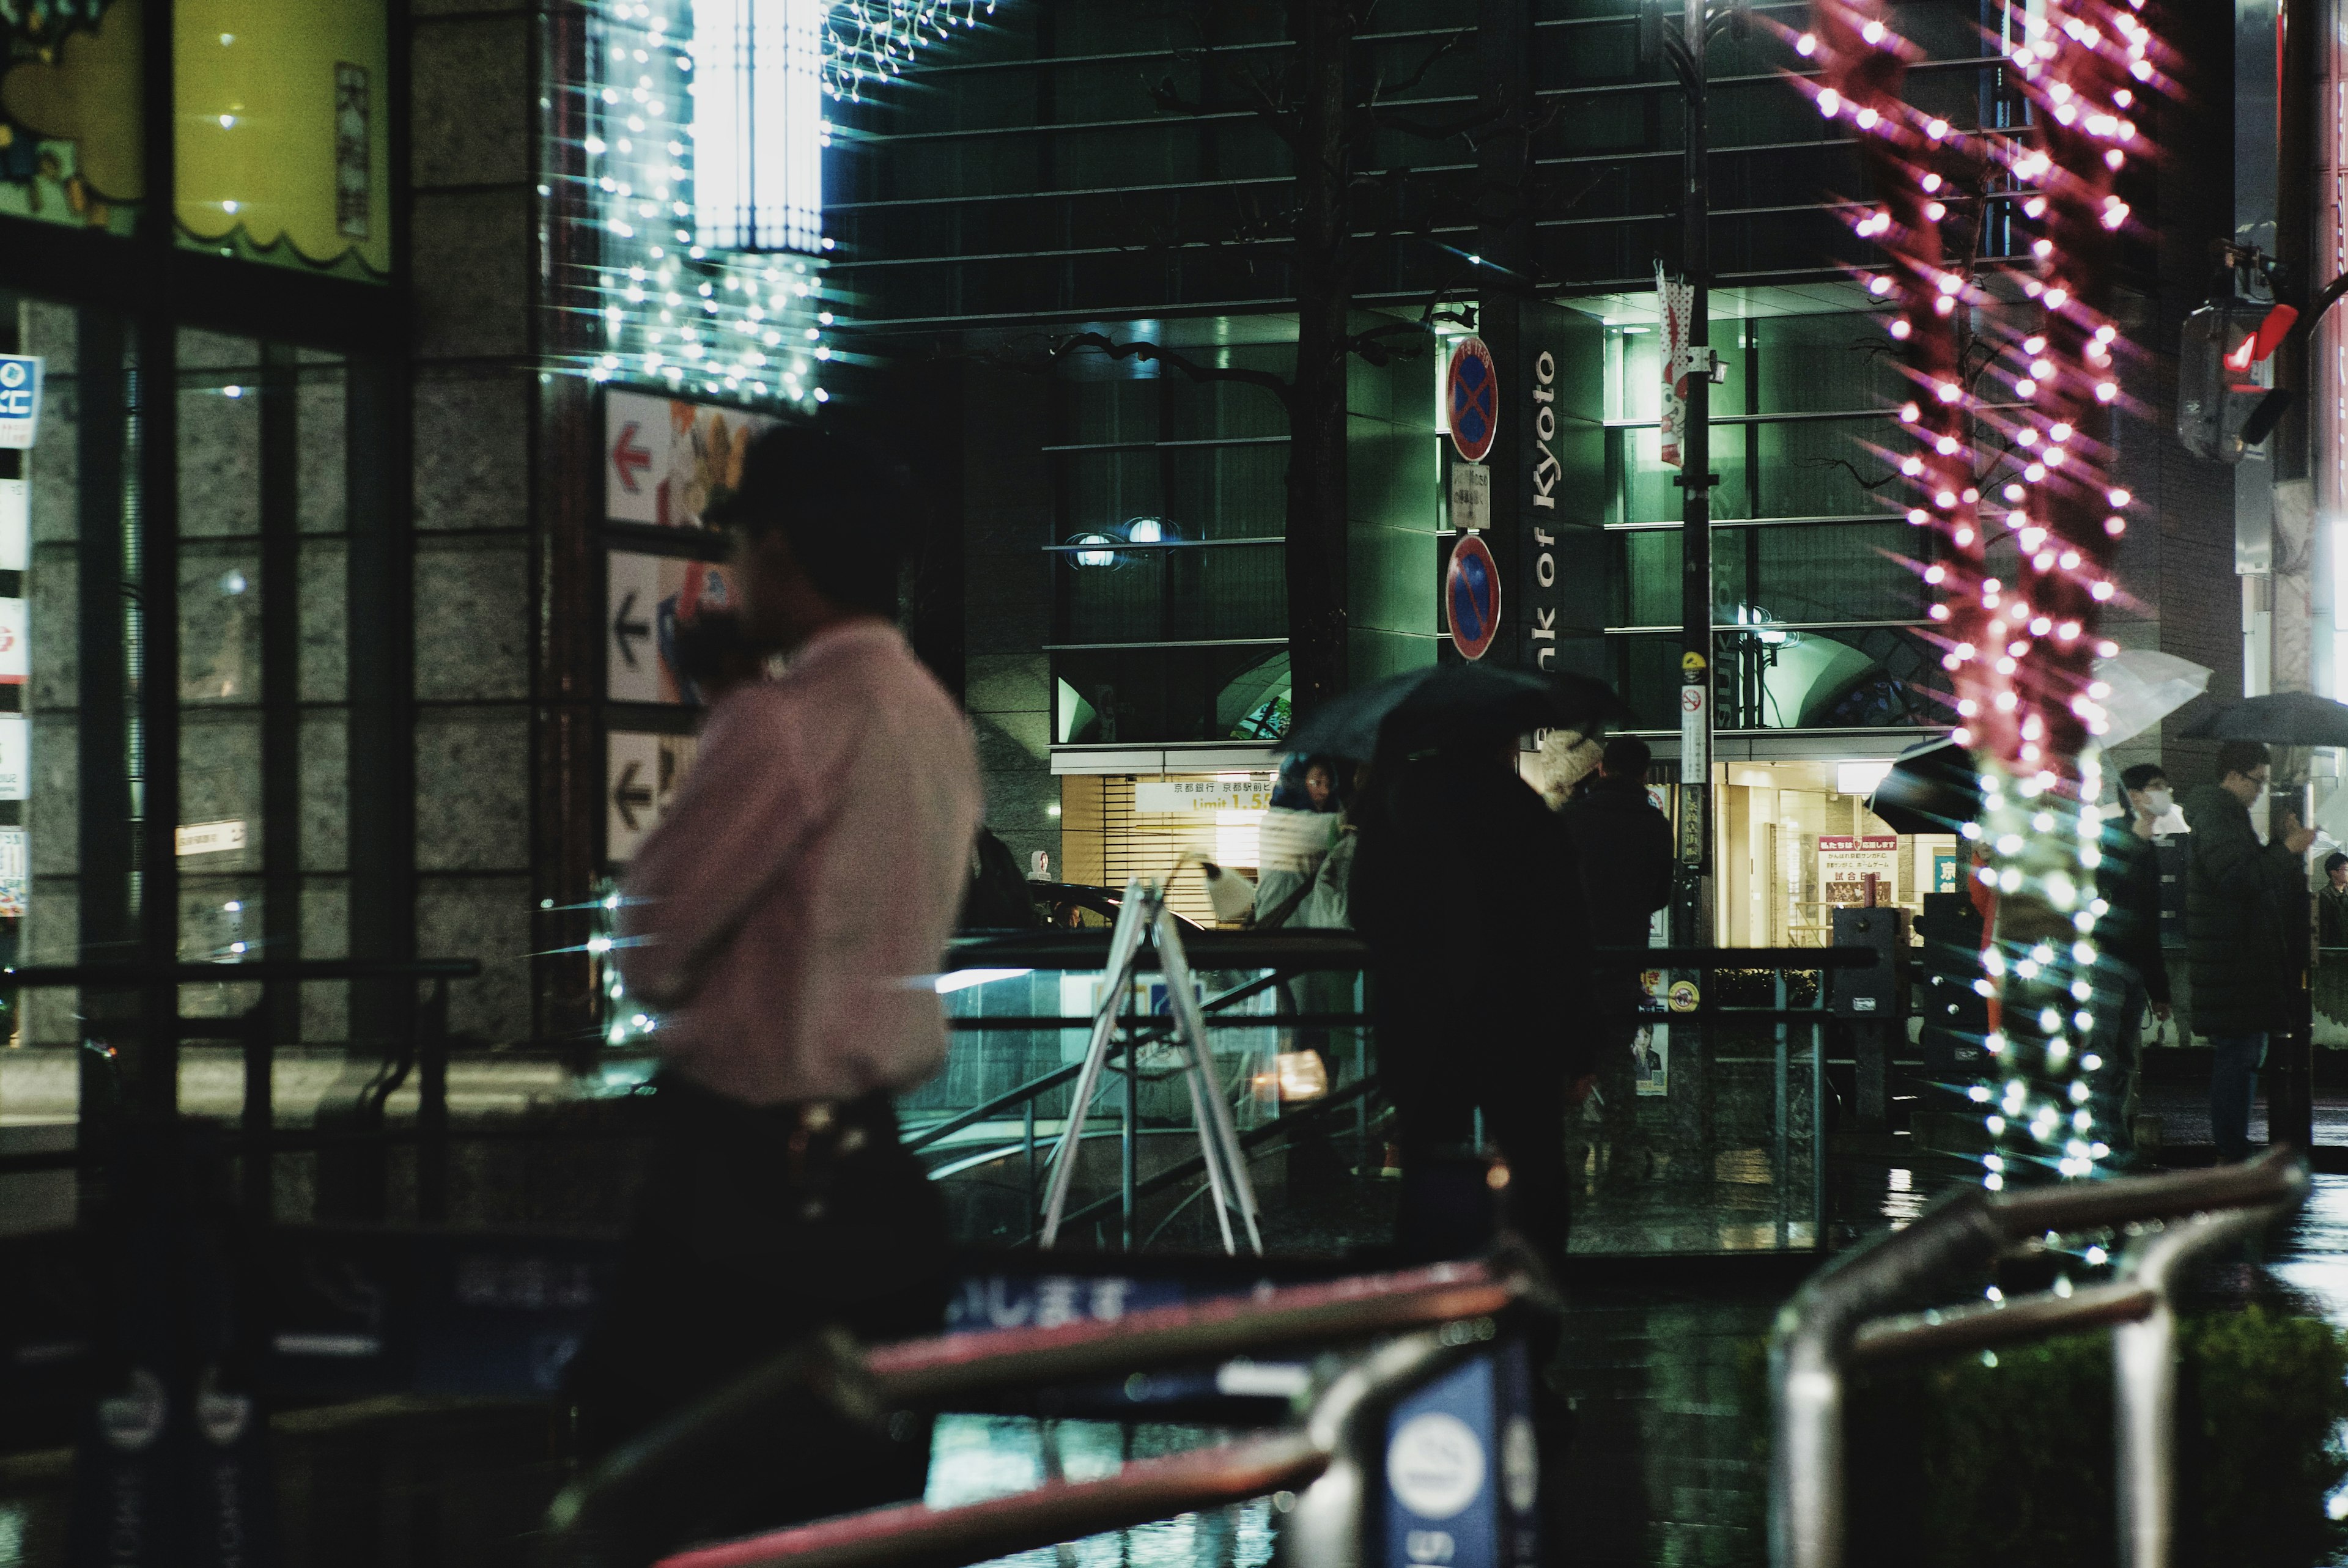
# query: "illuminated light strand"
{"points": [[655, 308], [874, 40], [2021, 653]]}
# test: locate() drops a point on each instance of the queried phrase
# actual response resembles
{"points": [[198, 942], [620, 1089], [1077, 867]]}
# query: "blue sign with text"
{"points": [[1463, 1468], [20, 399]]}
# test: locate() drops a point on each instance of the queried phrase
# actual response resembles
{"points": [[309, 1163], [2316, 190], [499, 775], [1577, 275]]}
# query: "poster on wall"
{"points": [[15, 755], [1845, 863], [16, 643], [1650, 1045], [666, 459], [16, 875], [652, 603], [642, 773], [15, 526]]}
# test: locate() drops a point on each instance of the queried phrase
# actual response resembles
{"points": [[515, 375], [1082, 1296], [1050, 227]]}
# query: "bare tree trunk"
{"points": [[1324, 268]]}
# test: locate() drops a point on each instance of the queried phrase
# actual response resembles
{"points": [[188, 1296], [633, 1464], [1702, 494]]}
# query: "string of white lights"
{"points": [[663, 306], [873, 40]]}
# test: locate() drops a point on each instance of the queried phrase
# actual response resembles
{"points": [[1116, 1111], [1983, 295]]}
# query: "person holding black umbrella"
{"points": [[1467, 889], [2238, 896]]}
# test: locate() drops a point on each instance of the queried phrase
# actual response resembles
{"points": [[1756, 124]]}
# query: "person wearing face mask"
{"points": [[2134, 975], [2238, 895]]}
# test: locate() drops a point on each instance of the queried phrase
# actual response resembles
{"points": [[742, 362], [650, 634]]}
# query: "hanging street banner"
{"points": [[1676, 302], [1471, 596], [665, 459], [651, 602], [1471, 400], [20, 400]]}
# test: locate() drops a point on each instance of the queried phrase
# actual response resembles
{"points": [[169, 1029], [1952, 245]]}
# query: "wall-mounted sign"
{"points": [[15, 756], [665, 459], [1471, 596], [15, 526], [209, 837], [16, 872], [1202, 795], [16, 643], [1472, 497], [1471, 399], [641, 775], [650, 602], [20, 399]]}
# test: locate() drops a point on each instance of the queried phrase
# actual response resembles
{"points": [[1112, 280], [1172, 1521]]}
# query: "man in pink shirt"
{"points": [[785, 918]]}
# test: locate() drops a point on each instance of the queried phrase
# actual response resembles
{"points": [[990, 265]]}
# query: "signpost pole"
{"points": [[1692, 907]]}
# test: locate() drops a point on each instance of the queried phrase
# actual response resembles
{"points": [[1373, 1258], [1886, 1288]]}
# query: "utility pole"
{"points": [[1692, 905]]}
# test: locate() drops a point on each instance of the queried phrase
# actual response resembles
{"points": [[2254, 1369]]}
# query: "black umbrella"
{"points": [[1934, 787], [1451, 702], [2284, 719]]}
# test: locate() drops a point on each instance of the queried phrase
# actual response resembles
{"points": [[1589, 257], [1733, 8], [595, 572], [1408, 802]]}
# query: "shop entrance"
{"points": [[1795, 840]]}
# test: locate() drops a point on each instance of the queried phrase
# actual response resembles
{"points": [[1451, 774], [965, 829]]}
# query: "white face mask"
{"points": [[2159, 802]]}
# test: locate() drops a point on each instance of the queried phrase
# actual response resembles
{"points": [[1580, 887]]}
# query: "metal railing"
{"points": [[1833, 1322], [1286, 955], [423, 1051], [1437, 1316]]}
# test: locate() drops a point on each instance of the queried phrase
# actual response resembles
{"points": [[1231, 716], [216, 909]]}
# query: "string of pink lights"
{"points": [[2008, 466], [2021, 649]]}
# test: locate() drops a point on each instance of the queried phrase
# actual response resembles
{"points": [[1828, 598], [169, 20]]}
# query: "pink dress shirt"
{"points": [[787, 910]]}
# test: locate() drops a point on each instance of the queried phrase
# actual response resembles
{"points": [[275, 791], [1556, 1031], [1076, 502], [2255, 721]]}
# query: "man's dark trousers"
{"points": [[756, 1227]]}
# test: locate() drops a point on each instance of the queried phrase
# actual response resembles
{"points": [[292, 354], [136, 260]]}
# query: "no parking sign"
{"points": [[20, 399], [1471, 593], [1471, 399]]}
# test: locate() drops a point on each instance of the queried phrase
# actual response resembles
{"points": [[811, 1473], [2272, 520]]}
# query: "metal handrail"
{"points": [[1333, 1458], [1832, 1321], [426, 1053], [260, 971], [924, 1374], [1299, 950]]}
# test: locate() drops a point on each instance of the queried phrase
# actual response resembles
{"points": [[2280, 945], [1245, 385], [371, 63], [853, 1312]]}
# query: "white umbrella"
{"points": [[2147, 687]]}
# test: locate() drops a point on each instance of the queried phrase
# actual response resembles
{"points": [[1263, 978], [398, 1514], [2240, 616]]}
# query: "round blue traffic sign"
{"points": [[1471, 395], [1471, 593]]}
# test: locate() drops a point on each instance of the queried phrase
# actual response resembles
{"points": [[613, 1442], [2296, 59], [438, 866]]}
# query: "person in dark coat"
{"points": [[2331, 901], [1466, 889], [1624, 845], [2238, 895], [2134, 975]]}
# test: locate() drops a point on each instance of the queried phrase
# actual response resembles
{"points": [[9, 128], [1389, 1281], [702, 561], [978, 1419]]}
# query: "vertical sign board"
{"points": [[665, 459], [20, 400], [643, 772], [650, 600], [1463, 1468], [1544, 520]]}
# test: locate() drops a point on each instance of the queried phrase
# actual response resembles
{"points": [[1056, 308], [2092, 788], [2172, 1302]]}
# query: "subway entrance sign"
{"points": [[20, 400], [1471, 596]]}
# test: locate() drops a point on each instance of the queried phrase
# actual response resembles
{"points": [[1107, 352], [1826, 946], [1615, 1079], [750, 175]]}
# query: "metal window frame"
{"points": [[131, 296]]}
